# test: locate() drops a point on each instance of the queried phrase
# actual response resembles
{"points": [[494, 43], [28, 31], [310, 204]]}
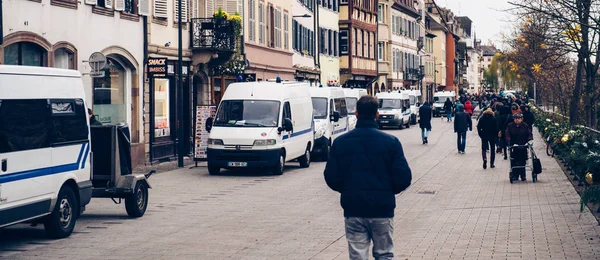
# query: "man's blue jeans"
{"points": [[424, 133], [360, 232], [461, 140], [449, 114]]}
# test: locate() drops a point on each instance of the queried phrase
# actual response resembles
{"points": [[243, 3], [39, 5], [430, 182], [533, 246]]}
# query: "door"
{"points": [[341, 126], [287, 136], [25, 159]]}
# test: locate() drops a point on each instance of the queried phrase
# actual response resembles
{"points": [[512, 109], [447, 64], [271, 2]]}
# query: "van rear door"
{"points": [[26, 159]]}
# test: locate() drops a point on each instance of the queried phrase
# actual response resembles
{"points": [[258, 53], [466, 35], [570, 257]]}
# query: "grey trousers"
{"points": [[360, 232]]}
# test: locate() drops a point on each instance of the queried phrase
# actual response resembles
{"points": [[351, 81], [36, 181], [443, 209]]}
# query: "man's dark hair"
{"points": [[90, 112], [367, 107]]}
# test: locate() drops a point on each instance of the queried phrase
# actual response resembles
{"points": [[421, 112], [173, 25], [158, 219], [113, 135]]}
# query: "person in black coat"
{"points": [[502, 121], [462, 122], [448, 110], [425, 121], [368, 167], [528, 117], [488, 132]]}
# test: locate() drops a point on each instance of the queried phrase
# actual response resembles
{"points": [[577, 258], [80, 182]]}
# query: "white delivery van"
{"points": [[352, 96], [44, 148], [439, 98], [394, 110], [330, 117], [262, 125], [414, 97]]}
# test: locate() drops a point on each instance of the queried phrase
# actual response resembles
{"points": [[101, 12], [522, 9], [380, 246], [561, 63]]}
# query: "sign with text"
{"points": [[157, 67], [201, 135]]}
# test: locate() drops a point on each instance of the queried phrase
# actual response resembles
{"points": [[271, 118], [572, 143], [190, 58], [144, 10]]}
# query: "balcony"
{"points": [[411, 74], [213, 37]]}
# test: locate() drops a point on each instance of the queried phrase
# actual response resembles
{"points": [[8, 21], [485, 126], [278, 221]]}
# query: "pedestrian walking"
{"points": [[502, 120], [528, 117], [488, 132], [462, 122], [425, 121], [518, 133], [368, 168], [448, 110], [469, 108]]}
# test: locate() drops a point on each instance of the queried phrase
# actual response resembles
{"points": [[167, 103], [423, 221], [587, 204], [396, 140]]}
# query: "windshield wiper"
{"points": [[253, 124]]}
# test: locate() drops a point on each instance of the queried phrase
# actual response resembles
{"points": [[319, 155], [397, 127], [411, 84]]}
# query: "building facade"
{"points": [[36, 34], [305, 43], [358, 36], [439, 31], [328, 41]]}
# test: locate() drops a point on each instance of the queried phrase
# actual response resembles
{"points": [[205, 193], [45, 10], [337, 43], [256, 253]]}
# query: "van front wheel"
{"points": [[61, 222], [305, 159], [280, 166]]}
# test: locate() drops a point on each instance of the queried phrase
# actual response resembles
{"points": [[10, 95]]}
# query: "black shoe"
{"points": [[492, 166], [484, 165], [505, 158], [424, 141]]}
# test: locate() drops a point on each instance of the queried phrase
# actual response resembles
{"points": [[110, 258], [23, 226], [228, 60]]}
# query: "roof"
{"points": [[326, 92], [265, 90], [38, 71], [488, 50]]}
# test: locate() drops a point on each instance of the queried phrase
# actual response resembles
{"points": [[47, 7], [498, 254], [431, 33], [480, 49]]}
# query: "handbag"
{"points": [[537, 165]]}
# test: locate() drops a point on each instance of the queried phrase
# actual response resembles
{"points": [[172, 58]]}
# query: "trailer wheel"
{"points": [[136, 203]]}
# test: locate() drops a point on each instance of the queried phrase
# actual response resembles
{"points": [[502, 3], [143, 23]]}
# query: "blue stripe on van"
{"points": [[17, 176], [85, 155], [297, 133]]}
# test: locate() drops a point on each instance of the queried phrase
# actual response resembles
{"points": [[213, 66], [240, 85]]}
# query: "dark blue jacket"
{"points": [[368, 168]]}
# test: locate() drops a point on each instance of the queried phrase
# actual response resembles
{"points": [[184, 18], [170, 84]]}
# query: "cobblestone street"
{"points": [[454, 209]]}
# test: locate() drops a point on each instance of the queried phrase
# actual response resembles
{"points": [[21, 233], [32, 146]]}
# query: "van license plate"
{"points": [[237, 164], [385, 122]]}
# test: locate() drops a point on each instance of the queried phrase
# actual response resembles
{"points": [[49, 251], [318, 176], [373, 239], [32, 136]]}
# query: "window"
{"points": [[355, 38], [287, 111], [340, 106], [362, 43], [162, 123], [261, 23], [394, 24], [109, 94], [344, 42], [248, 113], [184, 11], [24, 125], [251, 21], [380, 51], [63, 59], [68, 121], [380, 13], [344, 2], [24, 53], [130, 6], [369, 46], [329, 42], [335, 44], [286, 32], [321, 40], [295, 38]]}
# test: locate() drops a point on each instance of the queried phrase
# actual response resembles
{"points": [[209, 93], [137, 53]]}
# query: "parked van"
{"points": [[439, 98], [394, 109], [330, 117], [415, 102], [262, 125], [44, 148], [352, 96]]}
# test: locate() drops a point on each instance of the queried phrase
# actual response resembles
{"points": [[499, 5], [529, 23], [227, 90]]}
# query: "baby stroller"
{"points": [[523, 157]]}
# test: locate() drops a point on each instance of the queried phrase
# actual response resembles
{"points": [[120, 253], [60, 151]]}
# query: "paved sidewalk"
{"points": [[453, 210]]}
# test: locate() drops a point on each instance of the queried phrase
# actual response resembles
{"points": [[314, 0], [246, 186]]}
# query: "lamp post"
{"points": [[179, 88]]}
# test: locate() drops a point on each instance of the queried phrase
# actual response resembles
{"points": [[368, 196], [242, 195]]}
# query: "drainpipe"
{"points": [[243, 41], [317, 57]]}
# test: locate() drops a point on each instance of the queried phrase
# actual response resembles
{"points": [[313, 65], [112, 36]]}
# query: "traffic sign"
{"points": [[97, 62]]}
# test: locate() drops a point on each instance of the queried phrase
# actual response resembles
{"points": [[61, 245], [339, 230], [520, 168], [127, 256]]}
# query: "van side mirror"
{"points": [[209, 124], [335, 116], [288, 126]]}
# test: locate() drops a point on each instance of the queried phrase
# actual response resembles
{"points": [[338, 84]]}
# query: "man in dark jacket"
{"points": [[502, 120], [448, 109], [368, 168], [425, 121], [528, 117], [488, 132], [462, 122]]}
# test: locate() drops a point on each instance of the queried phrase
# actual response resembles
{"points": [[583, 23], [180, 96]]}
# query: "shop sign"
{"points": [[203, 113], [157, 67], [97, 62]]}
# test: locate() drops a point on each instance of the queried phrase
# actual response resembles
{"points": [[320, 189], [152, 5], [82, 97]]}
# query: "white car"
{"points": [[352, 96], [44, 148], [262, 125]]}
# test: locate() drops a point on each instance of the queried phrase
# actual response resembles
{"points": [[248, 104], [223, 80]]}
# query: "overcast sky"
{"points": [[489, 17]]}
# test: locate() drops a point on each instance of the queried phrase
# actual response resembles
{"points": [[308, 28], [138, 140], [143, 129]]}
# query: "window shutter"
{"points": [[160, 9], [144, 7], [91, 2], [119, 5], [108, 4], [194, 9], [210, 8], [184, 11]]}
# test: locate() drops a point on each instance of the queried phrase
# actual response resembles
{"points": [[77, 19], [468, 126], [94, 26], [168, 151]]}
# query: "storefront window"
{"points": [[24, 53], [161, 108], [109, 94]]}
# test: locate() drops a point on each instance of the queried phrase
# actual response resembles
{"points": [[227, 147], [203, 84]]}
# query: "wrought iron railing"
{"points": [[213, 34]]}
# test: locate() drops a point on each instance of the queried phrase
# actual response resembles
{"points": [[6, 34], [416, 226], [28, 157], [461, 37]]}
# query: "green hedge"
{"points": [[578, 147]]}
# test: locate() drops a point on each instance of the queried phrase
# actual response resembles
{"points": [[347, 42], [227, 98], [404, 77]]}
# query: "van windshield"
{"points": [[319, 108], [390, 104], [440, 99], [248, 113], [351, 104]]}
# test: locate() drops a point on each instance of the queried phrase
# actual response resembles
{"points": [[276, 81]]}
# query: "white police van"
{"points": [[439, 98], [330, 117], [414, 97], [44, 148], [394, 110], [352, 97], [262, 125]]}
